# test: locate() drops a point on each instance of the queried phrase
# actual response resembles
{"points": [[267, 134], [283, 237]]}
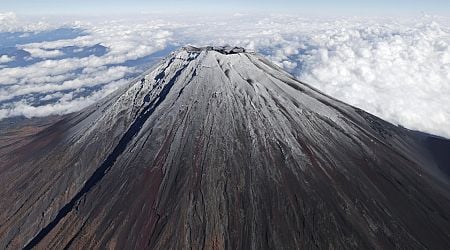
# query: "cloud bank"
{"points": [[398, 70], [399, 74]]}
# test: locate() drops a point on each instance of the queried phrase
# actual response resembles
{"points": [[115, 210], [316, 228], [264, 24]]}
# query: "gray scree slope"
{"points": [[217, 148]]}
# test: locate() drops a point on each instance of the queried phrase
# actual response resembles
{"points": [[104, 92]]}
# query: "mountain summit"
{"points": [[218, 148]]}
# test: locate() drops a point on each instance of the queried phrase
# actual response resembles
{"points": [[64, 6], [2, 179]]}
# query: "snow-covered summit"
{"points": [[227, 49]]}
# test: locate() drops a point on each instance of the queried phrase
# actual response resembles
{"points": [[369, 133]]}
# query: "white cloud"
{"points": [[9, 22], [124, 42], [56, 95], [42, 53], [66, 104], [6, 59], [401, 75]]}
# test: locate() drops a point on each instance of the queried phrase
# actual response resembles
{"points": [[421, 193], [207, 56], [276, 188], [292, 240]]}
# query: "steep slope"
{"points": [[217, 148]]}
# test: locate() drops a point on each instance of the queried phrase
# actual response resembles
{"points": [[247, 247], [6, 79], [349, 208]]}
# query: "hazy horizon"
{"points": [[320, 7]]}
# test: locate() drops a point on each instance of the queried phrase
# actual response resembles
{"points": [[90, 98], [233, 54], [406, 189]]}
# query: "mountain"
{"points": [[217, 148]]}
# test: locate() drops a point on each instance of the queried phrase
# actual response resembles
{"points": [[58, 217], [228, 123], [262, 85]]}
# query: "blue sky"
{"points": [[317, 7]]}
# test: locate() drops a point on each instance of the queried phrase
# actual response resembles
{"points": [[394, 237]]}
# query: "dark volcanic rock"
{"points": [[218, 148], [227, 50]]}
